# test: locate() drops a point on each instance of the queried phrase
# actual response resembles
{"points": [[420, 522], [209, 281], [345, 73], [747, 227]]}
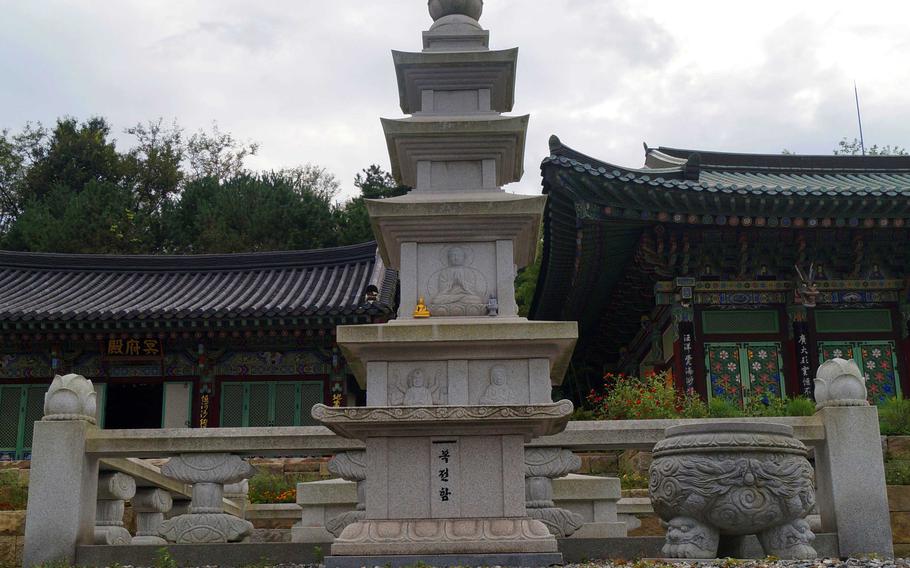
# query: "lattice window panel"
{"points": [[286, 404], [10, 401], [34, 410], [259, 404], [311, 394], [232, 405]]}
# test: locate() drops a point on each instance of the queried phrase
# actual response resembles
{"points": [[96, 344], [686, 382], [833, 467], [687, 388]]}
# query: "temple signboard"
{"points": [[133, 348]]}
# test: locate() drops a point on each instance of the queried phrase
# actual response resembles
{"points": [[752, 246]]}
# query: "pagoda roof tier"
{"points": [[463, 216], [528, 420], [465, 138], [45, 287], [464, 70], [778, 188], [440, 338]]}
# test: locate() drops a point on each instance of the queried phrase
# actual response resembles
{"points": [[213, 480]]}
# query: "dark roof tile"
{"points": [[66, 287]]}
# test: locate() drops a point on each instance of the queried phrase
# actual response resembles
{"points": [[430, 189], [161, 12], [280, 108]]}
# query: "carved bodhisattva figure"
{"points": [[418, 389], [458, 289]]}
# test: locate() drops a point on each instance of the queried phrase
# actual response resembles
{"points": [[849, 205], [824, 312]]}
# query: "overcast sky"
{"points": [[309, 80]]}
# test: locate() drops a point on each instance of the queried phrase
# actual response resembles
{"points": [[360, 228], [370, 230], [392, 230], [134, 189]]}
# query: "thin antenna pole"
{"points": [[859, 119]]}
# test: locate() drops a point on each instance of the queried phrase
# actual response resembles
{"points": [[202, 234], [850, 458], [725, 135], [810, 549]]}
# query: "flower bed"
{"points": [[623, 397]]}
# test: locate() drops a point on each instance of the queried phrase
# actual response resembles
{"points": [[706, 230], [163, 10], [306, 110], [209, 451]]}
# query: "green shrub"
{"points": [[692, 406], [582, 414], [894, 417], [723, 408], [634, 398], [800, 406], [272, 488], [13, 494], [897, 472], [163, 559]]}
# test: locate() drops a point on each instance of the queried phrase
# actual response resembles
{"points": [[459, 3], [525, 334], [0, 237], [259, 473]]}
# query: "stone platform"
{"points": [[528, 560], [571, 550]]}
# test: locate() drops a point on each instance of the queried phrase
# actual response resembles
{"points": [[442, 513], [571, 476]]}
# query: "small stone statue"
{"points": [[492, 307], [421, 310]]}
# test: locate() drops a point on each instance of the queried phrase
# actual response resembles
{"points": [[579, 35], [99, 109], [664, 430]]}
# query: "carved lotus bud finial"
{"points": [[442, 8], [839, 382], [70, 397]]}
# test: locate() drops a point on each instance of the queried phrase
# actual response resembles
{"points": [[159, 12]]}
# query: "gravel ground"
{"points": [[722, 563]]}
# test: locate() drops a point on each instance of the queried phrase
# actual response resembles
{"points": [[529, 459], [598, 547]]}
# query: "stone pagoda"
{"points": [[459, 382]]}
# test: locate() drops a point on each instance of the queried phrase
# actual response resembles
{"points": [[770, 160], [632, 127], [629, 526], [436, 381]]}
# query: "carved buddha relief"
{"points": [[417, 386], [457, 289], [498, 382]]}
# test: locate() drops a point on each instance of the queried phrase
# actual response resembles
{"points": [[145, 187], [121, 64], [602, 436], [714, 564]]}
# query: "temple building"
{"points": [[177, 341], [738, 273]]}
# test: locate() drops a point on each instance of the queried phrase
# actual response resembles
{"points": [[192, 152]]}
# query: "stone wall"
{"points": [[12, 529]]}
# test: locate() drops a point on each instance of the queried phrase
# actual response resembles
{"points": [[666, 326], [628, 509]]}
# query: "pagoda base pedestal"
{"points": [[444, 537]]}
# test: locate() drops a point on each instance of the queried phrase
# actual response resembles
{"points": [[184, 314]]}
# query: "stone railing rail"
{"points": [[68, 455]]}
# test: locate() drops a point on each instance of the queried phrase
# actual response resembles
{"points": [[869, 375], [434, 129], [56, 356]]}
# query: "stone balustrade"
{"points": [[67, 450]]}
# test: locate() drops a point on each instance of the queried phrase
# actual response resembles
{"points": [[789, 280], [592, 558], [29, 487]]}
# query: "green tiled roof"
{"points": [[676, 180]]}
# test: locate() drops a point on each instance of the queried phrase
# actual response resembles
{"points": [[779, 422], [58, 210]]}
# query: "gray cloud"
{"points": [[309, 79]]}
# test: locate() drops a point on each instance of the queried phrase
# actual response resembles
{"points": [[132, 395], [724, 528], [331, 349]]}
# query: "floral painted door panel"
{"points": [[877, 359], [743, 371]]}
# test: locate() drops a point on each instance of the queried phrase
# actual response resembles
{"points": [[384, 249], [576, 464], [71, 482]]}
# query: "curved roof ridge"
{"points": [[188, 263], [792, 162], [557, 148]]}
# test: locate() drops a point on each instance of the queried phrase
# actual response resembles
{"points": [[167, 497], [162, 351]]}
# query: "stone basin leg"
{"points": [[790, 541], [113, 490], [689, 538], [150, 505]]}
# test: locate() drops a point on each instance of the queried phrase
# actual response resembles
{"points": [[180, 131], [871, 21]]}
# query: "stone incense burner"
{"points": [[716, 483]]}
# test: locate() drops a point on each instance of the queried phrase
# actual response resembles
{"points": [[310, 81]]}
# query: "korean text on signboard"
{"points": [[137, 347]]}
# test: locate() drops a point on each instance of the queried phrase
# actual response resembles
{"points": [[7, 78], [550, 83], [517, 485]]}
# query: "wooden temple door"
{"points": [[741, 372], [877, 359]]}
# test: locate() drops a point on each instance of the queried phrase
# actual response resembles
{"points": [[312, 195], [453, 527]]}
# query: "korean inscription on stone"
{"points": [[443, 479]]}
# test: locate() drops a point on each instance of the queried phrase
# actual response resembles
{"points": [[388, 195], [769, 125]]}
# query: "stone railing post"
{"points": [[150, 505], [239, 494], [63, 482], [113, 489], [206, 522], [542, 466], [350, 466], [850, 473]]}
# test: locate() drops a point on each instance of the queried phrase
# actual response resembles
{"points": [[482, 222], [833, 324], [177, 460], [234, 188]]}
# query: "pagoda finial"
{"points": [[442, 8]]}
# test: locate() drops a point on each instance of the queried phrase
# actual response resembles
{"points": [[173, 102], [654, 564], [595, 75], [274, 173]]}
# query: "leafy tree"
{"points": [[217, 154], [352, 218], [526, 281], [72, 156], [100, 218], [854, 148], [249, 213], [17, 154]]}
